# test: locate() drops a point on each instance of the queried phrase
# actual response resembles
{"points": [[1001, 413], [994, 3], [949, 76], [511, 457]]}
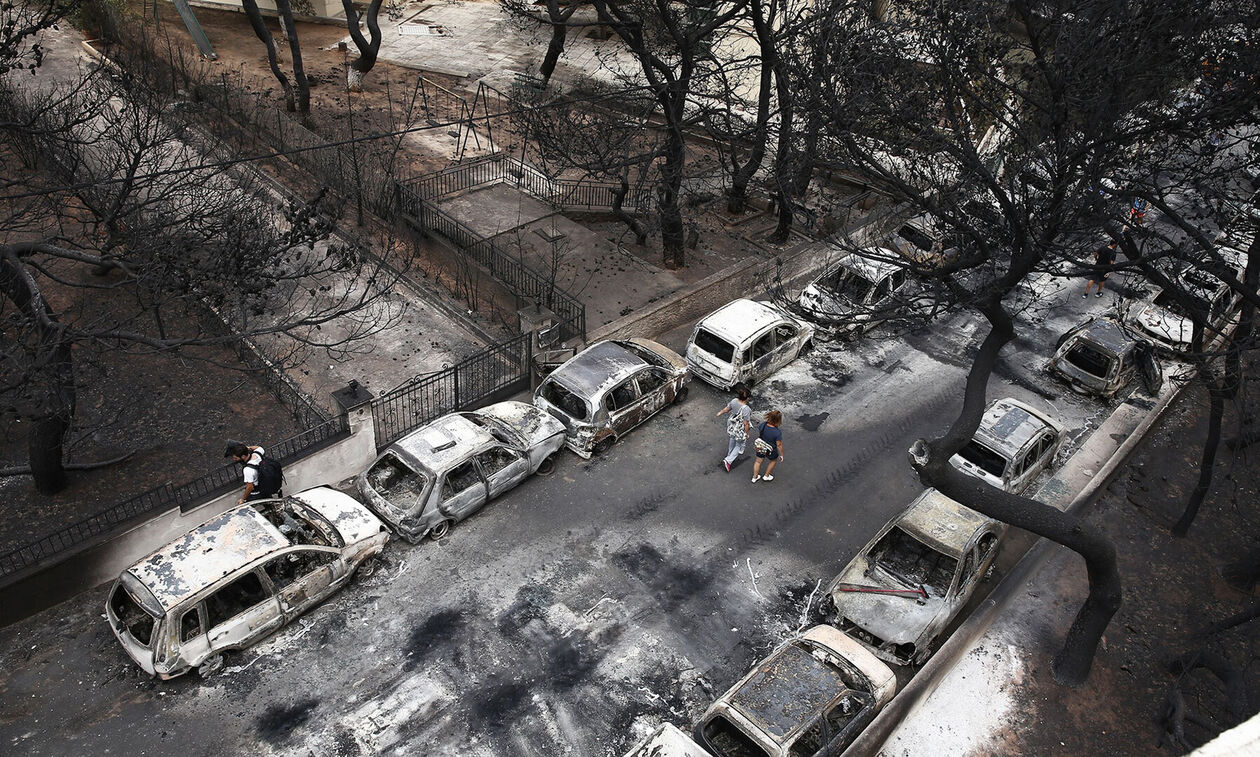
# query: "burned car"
{"points": [[447, 470], [1165, 319], [906, 585], [812, 696], [744, 342], [849, 296], [1099, 357], [238, 577], [1013, 444], [609, 388], [667, 741]]}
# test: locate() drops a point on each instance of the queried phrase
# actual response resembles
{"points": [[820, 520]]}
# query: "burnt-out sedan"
{"points": [[604, 391], [907, 584], [447, 470], [812, 696], [1099, 358], [237, 578]]}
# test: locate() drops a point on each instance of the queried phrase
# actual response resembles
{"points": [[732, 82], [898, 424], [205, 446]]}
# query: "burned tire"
{"points": [[547, 467], [439, 532], [210, 666], [603, 445], [806, 348], [369, 566], [681, 394]]}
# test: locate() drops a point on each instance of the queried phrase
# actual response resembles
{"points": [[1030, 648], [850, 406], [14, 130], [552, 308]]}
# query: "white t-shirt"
{"points": [[251, 466]]}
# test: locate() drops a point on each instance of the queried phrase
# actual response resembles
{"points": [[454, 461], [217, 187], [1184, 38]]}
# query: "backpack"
{"points": [[270, 477]]}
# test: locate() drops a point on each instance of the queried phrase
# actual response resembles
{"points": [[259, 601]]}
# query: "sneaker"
{"points": [[768, 477], [755, 479], [728, 466], [1098, 295], [1085, 296]]}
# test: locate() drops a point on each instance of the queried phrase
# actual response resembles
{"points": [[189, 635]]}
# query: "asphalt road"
{"points": [[580, 609]]}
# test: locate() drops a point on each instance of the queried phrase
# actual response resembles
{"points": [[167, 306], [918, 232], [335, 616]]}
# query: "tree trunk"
{"points": [[738, 197], [264, 35], [673, 230], [782, 157], [559, 31], [368, 49], [295, 49], [931, 461]]}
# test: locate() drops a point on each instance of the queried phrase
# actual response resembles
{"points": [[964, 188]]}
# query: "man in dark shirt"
{"points": [[1104, 257]]}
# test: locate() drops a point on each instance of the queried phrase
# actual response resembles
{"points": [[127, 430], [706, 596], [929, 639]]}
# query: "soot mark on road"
{"points": [[278, 721], [672, 584], [570, 661], [812, 422], [530, 604], [429, 635], [498, 703]]}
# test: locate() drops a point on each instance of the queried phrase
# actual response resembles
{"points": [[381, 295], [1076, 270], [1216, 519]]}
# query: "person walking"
{"points": [[738, 426], [1103, 258], [769, 445], [263, 476]]}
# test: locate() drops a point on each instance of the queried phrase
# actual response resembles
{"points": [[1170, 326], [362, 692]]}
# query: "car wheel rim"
{"points": [[440, 530]]}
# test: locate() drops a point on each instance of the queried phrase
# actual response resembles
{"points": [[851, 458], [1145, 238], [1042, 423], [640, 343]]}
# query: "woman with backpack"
{"points": [[769, 446]]}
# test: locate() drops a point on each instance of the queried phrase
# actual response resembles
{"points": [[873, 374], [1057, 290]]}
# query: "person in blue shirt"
{"points": [[769, 446]]}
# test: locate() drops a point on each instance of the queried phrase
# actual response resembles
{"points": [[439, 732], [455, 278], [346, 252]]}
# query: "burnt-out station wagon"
{"points": [[449, 469], [1013, 444], [238, 577], [745, 341], [906, 585], [609, 388], [810, 698], [1100, 358]]}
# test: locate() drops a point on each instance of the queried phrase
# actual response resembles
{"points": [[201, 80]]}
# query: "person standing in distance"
{"points": [[769, 446], [738, 426]]}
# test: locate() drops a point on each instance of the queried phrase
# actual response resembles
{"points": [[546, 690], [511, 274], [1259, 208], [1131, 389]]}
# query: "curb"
{"points": [[927, 678]]}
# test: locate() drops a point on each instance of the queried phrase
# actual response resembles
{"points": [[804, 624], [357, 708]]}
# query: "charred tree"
{"points": [[259, 25], [302, 85], [368, 47]]}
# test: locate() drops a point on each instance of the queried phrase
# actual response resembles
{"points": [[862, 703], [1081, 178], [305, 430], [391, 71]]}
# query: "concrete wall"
{"points": [[330, 9], [101, 561]]}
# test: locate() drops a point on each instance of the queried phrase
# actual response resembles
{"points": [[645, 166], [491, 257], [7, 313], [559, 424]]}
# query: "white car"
{"points": [[1165, 320], [744, 342], [909, 582], [449, 469], [812, 696], [1013, 444], [237, 578], [857, 293], [667, 741]]}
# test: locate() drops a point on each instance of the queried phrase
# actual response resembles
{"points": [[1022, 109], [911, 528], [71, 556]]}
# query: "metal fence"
{"points": [[499, 168], [519, 278], [165, 497], [501, 369]]}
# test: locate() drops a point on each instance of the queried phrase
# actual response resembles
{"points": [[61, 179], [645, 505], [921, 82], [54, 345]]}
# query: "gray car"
{"points": [[907, 584], [449, 469], [1013, 445], [604, 391], [1098, 357]]}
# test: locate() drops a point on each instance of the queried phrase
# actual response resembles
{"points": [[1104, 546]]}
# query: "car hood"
{"points": [[352, 520], [532, 423], [1160, 322], [899, 620]]}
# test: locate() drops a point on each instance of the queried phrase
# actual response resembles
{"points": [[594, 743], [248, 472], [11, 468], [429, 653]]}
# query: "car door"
{"points": [[303, 577], [243, 610], [786, 344], [463, 491], [655, 391], [194, 644], [761, 356], [622, 404], [503, 468]]}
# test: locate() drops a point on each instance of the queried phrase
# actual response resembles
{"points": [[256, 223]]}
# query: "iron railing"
{"points": [[167, 496], [499, 168], [502, 369]]}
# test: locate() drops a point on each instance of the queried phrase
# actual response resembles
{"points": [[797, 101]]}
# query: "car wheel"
{"points": [[681, 394], [210, 666], [547, 467], [440, 531], [602, 445], [369, 566], [806, 348]]}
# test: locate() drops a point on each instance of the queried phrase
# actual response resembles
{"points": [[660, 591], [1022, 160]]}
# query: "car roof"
{"points": [[444, 442], [740, 319], [206, 554], [1107, 333], [603, 364], [1009, 424], [788, 690], [942, 523], [873, 270]]}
